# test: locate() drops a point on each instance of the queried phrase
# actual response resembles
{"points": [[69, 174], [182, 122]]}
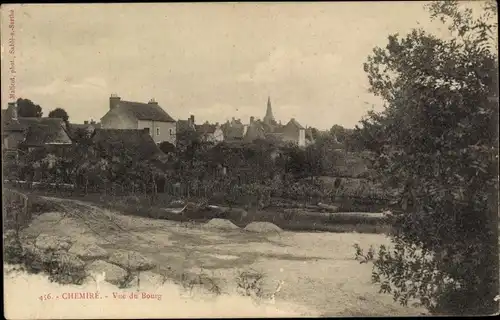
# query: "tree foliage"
{"points": [[27, 108], [59, 113], [436, 141], [167, 147], [338, 132]]}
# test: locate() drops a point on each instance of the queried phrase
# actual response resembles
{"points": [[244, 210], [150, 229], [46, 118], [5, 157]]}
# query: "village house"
{"points": [[138, 143], [140, 116], [90, 123], [210, 132], [294, 132], [234, 131], [207, 132], [186, 125], [31, 132], [255, 130], [267, 129]]}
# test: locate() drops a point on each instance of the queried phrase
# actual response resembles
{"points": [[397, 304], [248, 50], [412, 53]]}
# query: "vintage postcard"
{"points": [[209, 160]]}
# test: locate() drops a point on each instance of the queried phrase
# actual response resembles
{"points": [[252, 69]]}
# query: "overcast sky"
{"points": [[215, 61]]}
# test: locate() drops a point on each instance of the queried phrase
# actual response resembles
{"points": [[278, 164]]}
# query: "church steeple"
{"points": [[269, 118]]}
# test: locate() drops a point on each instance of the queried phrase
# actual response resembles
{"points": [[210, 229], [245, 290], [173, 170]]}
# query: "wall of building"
{"points": [[116, 120], [302, 138], [218, 135], [253, 133], [159, 131], [12, 140], [291, 133]]}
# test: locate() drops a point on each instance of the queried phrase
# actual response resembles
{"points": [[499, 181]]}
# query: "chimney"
{"points": [[152, 101], [12, 107], [85, 122], [92, 121], [191, 120], [252, 119], [114, 101]]}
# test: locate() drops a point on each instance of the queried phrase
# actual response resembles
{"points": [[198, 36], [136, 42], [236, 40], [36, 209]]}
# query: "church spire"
{"points": [[269, 118]]}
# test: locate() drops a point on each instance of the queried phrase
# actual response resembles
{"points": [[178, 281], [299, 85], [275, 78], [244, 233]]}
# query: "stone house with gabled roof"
{"points": [[210, 132], [294, 132], [139, 143], [32, 132], [234, 131], [256, 130], [44, 131], [149, 116]]}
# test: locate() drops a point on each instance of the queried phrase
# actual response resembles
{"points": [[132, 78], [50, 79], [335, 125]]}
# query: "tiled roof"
{"points": [[28, 121], [206, 128], [44, 131], [184, 125], [75, 127], [255, 131], [233, 132], [10, 126], [143, 111], [295, 123], [138, 142]]}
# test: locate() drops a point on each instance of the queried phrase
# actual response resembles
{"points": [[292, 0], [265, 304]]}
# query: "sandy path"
{"points": [[318, 270]]}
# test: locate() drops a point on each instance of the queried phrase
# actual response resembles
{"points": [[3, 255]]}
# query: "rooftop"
{"points": [[44, 131], [143, 111], [138, 142]]}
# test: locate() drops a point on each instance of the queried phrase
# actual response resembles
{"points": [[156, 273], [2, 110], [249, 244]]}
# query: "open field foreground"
{"points": [[309, 273]]}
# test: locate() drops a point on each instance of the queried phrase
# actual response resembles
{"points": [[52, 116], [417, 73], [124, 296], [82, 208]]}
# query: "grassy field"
{"points": [[318, 270]]}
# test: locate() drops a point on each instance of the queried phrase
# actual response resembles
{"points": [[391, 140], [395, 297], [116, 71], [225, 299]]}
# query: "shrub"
{"points": [[250, 283], [61, 266], [437, 142]]}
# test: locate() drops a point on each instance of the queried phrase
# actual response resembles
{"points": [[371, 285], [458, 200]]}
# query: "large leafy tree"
{"points": [[27, 108], [59, 113], [338, 132], [436, 141]]}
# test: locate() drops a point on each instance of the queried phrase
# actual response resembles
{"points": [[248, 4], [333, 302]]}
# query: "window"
{"points": [[170, 130], [157, 131]]}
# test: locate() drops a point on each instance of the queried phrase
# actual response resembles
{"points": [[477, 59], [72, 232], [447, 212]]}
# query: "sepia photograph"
{"points": [[250, 159]]}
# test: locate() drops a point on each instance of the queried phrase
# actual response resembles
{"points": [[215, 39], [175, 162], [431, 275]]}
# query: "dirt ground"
{"points": [[317, 270]]}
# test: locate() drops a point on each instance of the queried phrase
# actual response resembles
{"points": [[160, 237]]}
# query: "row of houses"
{"points": [[266, 129], [22, 134], [162, 127], [143, 124]]}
